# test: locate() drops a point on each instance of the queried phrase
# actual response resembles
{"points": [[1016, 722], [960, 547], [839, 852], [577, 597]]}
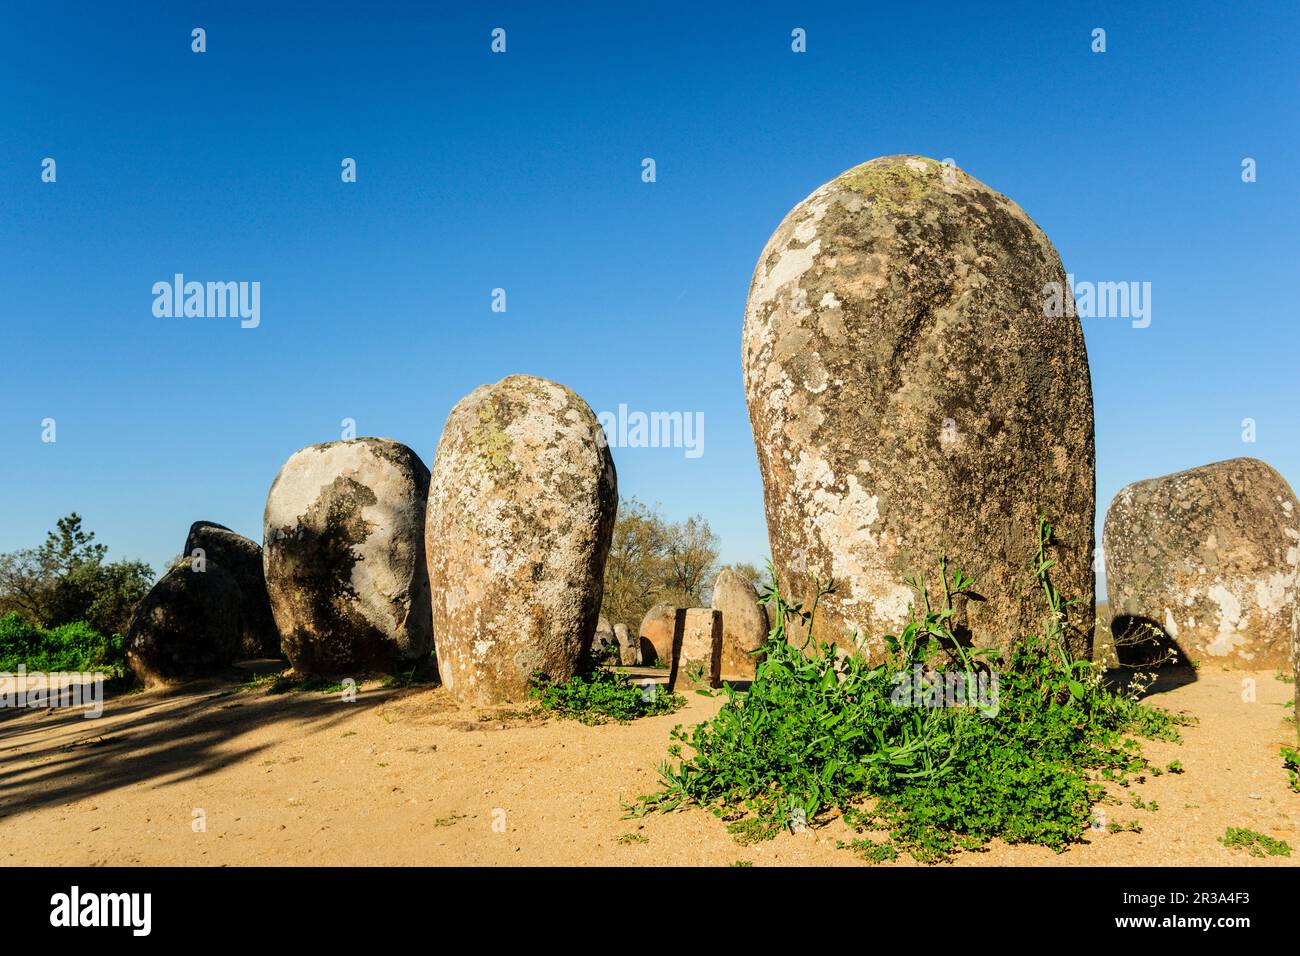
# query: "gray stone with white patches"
{"points": [[909, 398], [521, 514], [629, 647], [604, 645], [343, 551], [1211, 557]]}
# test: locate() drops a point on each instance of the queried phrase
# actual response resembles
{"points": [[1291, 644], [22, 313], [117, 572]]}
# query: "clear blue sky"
{"points": [[522, 171]]}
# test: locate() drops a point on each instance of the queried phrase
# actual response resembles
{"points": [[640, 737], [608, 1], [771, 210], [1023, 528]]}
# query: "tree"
{"points": [[68, 546], [692, 561], [652, 560], [634, 569], [67, 579]]}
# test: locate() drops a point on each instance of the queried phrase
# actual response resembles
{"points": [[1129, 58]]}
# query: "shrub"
{"points": [[1254, 843], [70, 647], [819, 731], [67, 580], [599, 696], [1291, 762]]}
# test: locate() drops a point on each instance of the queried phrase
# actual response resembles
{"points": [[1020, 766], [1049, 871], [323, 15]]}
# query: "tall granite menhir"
{"points": [[913, 394], [521, 513]]}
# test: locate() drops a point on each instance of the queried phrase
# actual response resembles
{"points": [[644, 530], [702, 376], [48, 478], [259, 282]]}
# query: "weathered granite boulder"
{"points": [[344, 556], [698, 662], [604, 645], [243, 559], [1211, 557], [521, 514], [629, 648], [916, 390], [744, 623], [187, 626], [657, 630]]}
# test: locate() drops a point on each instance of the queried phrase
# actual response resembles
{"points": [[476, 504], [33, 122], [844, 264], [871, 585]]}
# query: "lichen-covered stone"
{"points": [[521, 514], [604, 645], [186, 627], [657, 631], [629, 648], [344, 556], [910, 398], [1211, 557], [698, 661], [744, 623], [242, 558]]}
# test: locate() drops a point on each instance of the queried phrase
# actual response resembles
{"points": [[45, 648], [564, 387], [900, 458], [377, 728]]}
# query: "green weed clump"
{"points": [[600, 695], [1254, 843], [70, 647], [1291, 762], [820, 731]]}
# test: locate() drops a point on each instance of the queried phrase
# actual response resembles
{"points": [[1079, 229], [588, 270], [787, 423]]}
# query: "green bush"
{"points": [[69, 647], [1254, 842], [600, 696], [1291, 763], [819, 730], [68, 579]]}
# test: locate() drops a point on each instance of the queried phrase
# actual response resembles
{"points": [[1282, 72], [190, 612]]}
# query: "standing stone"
{"points": [[629, 650], [344, 556], [521, 514], [698, 661], [917, 387], [744, 623], [186, 627], [658, 630], [604, 645], [243, 559], [1210, 557]]}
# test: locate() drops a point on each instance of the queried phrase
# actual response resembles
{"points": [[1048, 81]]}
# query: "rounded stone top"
{"points": [[1229, 472], [505, 428], [897, 217]]}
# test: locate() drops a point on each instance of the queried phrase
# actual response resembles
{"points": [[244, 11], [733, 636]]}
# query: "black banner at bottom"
{"points": [[334, 904]]}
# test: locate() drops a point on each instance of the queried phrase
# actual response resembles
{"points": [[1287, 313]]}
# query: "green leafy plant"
{"points": [[871, 851], [820, 731], [1291, 762], [599, 696], [69, 647], [1254, 843]]}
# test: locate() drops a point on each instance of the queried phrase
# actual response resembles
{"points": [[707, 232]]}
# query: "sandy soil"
{"points": [[405, 777]]}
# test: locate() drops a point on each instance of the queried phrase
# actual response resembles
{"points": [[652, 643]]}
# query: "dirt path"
{"points": [[404, 777]]}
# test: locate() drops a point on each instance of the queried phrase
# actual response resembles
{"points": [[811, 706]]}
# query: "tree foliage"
{"points": [[652, 559], [68, 579]]}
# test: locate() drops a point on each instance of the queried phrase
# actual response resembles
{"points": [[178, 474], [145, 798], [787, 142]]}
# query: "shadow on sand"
{"points": [[55, 756]]}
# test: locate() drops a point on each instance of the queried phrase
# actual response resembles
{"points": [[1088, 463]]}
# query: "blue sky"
{"points": [[522, 171]]}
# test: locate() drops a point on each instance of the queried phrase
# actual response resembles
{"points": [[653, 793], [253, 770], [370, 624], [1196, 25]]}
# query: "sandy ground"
{"points": [[406, 777]]}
